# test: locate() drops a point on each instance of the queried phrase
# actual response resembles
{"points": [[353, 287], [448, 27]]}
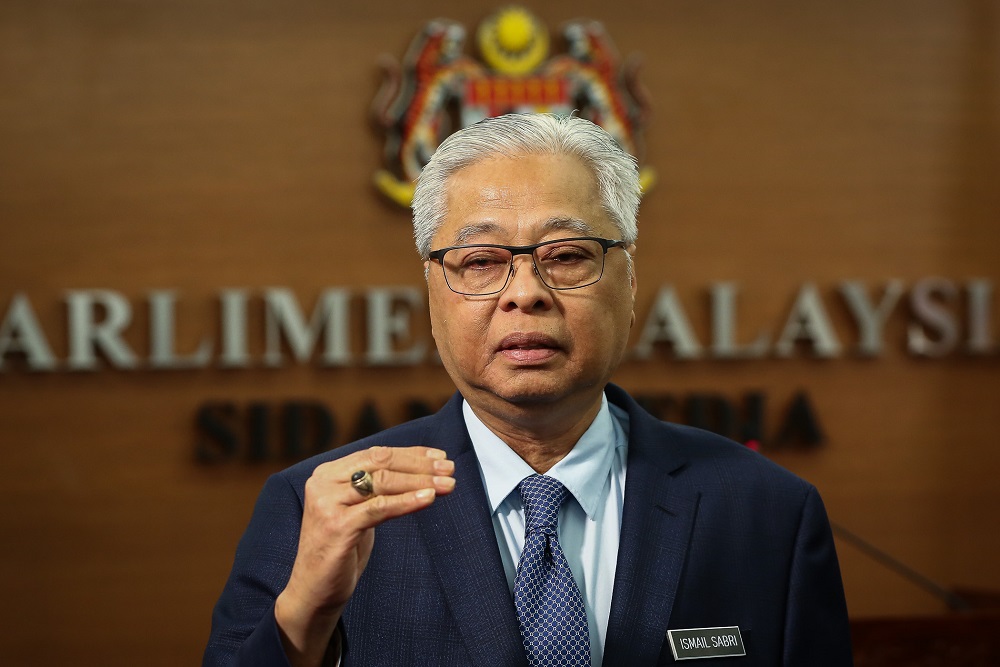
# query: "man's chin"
{"points": [[525, 392], [527, 399]]}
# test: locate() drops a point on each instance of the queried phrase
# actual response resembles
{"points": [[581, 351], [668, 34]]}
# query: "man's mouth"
{"points": [[528, 347]]}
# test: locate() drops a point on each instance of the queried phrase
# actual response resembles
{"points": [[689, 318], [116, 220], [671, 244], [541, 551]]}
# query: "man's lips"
{"points": [[528, 347]]}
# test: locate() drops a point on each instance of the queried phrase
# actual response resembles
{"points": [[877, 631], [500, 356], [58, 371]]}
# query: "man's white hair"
{"points": [[514, 135]]}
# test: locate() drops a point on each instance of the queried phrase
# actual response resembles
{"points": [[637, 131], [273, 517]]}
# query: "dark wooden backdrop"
{"points": [[198, 146]]}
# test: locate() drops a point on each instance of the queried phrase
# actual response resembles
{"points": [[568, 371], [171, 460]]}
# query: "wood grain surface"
{"points": [[201, 146]]}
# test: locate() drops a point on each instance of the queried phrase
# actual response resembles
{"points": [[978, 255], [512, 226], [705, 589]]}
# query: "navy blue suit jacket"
{"points": [[712, 534]]}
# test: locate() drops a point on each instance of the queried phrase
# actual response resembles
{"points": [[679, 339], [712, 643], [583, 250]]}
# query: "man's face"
{"points": [[530, 344]]}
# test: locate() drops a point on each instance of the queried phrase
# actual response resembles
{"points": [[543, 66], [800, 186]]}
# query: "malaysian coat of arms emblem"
{"points": [[437, 88]]}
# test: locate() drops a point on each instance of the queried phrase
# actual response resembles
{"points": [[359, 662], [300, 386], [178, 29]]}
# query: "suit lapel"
{"points": [[657, 520], [458, 530]]}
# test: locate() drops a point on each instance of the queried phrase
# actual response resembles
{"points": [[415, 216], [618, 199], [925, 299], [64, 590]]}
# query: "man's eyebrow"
{"points": [[469, 232], [567, 224]]}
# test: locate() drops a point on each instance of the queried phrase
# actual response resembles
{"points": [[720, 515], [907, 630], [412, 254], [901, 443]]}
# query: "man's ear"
{"points": [[630, 249], [427, 279]]}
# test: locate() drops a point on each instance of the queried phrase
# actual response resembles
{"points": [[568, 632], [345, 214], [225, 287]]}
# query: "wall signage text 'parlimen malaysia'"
{"points": [[377, 326]]}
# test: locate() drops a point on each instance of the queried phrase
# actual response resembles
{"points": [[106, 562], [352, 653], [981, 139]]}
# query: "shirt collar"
{"points": [[583, 471]]}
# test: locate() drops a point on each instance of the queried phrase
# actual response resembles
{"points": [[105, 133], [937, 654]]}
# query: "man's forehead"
{"points": [[528, 197], [474, 231]]}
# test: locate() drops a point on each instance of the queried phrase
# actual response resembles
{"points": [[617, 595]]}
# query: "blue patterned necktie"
{"points": [[549, 606]]}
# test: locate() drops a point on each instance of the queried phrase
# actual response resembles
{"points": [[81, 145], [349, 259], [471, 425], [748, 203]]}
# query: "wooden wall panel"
{"points": [[203, 146]]}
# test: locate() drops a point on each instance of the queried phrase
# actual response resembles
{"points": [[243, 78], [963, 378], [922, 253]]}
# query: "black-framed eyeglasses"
{"points": [[486, 268]]}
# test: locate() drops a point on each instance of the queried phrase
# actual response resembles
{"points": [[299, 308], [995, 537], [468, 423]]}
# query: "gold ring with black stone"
{"points": [[363, 483]]}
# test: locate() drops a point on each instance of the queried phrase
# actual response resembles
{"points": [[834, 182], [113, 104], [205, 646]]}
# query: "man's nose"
{"points": [[525, 289]]}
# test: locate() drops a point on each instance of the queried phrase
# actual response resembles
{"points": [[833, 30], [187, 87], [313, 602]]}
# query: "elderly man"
{"points": [[541, 517]]}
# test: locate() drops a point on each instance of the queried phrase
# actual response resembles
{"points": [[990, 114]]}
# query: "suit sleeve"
{"points": [[817, 631], [244, 631]]}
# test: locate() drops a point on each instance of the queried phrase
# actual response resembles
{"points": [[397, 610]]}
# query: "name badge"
{"points": [[695, 643]]}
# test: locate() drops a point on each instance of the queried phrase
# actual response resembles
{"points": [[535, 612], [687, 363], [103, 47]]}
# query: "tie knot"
{"points": [[542, 497]]}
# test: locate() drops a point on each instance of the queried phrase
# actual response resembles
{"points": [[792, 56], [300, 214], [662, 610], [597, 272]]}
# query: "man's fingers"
{"points": [[394, 471], [377, 509], [384, 483], [417, 460], [403, 459], [390, 482]]}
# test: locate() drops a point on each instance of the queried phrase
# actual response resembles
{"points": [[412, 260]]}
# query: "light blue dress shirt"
{"points": [[590, 519]]}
